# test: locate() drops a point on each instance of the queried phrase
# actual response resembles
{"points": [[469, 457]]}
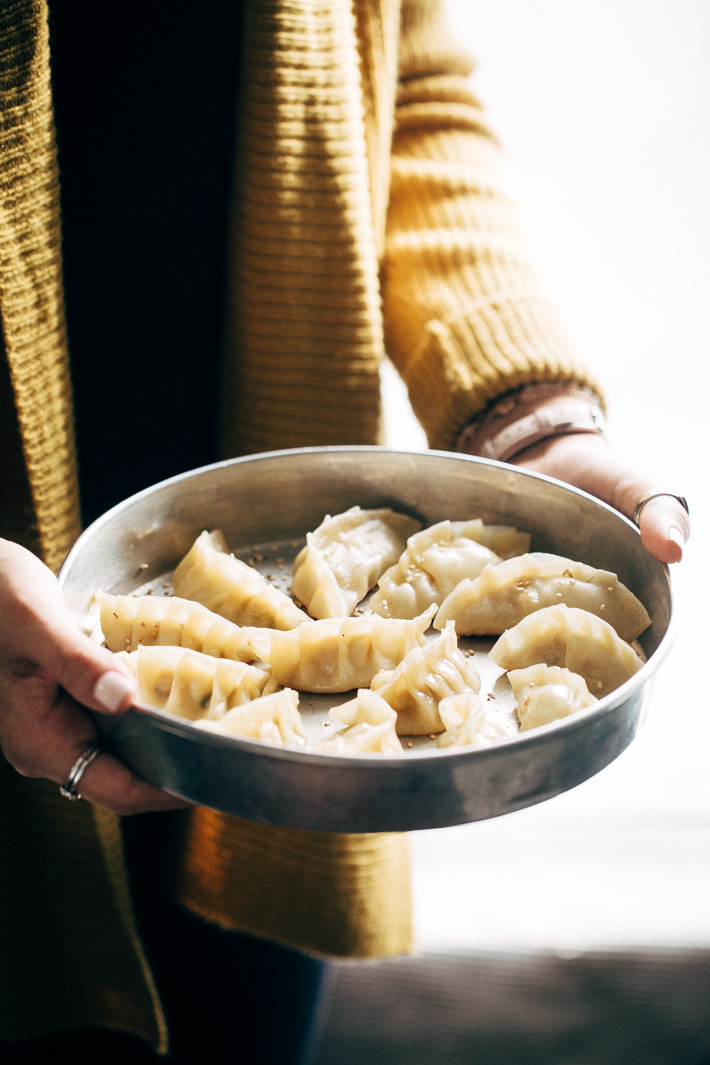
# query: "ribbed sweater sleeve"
{"points": [[466, 315]]}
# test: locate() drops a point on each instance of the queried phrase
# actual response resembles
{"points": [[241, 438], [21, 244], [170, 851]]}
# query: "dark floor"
{"points": [[641, 1008]]}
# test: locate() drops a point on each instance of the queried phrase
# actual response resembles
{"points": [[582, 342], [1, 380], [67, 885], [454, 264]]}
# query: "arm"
{"points": [[468, 323], [559, 431], [590, 464], [48, 673], [467, 318]]}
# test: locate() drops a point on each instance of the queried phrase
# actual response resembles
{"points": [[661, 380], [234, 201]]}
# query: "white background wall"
{"points": [[604, 111]]}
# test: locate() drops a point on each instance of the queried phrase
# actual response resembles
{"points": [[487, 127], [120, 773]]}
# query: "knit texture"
{"points": [[302, 369], [306, 327], [369, 213], [338, 895], [33, 327], [70, 953], [466, 315]]}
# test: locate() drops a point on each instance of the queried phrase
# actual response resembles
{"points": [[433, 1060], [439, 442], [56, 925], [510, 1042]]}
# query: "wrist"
{"points": [[529, 415]]}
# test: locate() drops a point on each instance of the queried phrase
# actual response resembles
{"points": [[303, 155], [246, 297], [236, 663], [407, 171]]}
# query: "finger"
{"points": [[109, 783], [48, 746], [39, 630], [47, 668], [88, 672], [663, 522], [590, 464], [665, 528]]}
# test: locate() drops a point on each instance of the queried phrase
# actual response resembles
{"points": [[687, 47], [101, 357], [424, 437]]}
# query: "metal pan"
{"points": [[274, 499]]}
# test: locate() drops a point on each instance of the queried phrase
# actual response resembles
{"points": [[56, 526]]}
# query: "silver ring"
{"points": [[652, 495], [69, 788]]}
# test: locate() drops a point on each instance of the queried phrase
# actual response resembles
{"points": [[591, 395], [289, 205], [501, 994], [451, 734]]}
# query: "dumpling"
{"points": [[339, 654], [505, 540], [211, 576], [470, 722], [344, 557], [130, 621], [437, 559], [194, 685], [547, 693], [371, 726], [271, 718], [503, 595], [573, 638], [422, 679], [433, 563]]}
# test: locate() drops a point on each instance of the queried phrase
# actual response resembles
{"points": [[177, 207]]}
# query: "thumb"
{"points": [[664, 525], [40, 635], [589, 463]]}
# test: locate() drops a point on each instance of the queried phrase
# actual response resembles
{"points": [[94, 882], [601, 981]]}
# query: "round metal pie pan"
{"points": [[274, 499]]}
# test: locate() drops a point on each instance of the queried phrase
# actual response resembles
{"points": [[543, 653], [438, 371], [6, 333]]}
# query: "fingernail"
{"points": [[111, 690], [676, 536]]}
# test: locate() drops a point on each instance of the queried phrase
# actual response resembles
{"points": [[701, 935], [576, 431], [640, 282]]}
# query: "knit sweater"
{"points": [[370, 219]]}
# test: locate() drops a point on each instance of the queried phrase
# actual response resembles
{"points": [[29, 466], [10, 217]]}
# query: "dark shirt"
{"points": [[145, 99]]}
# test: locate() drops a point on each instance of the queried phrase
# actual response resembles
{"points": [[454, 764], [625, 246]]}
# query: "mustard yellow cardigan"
{"points": [[370, 218]]}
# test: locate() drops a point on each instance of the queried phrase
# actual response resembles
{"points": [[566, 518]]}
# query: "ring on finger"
{"points": [[653, 495], [69, 789]]}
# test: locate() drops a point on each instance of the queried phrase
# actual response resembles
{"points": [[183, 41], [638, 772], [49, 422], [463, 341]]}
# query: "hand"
{"points": [[49, 672], [588, 462]]}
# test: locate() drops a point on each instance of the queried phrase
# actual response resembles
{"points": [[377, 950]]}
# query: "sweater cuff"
{"points": [[465, 363]]}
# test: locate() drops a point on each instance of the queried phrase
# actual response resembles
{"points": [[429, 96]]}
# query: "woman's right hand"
{"points": [[50, 673]]}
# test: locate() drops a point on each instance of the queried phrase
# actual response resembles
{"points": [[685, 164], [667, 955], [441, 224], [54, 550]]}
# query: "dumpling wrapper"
{"points": [[344, 557], [371, 726], [273, 718], [339, 654], [548, 693], [503, 594], [131, 621], [209, 575], [191, 684], [437, 559], [573, 638], [470, 722], [422, 679]]}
